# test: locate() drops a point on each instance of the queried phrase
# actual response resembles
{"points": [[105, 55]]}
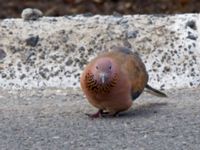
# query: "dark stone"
{"points": [[172, 32], [43, 75], [162, 86], [27, 69], [192, 37], [132, 34], [12, 75], [29, 58], [172, 45], [2, 54], [166, 69], [19, 65], [55, 73], [54, 20], [22, 76], [42, 56], [69, 61], [81, 49], [32, 41], [3, 75], [45, 70], [190, 52], [158, 65], [77, 75], [15, 49], [123, 22], [56, 47], [191, 24]]}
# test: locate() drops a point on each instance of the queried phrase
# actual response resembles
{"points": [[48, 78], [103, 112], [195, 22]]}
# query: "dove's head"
{"points": [[104, 70], [103, 75]]}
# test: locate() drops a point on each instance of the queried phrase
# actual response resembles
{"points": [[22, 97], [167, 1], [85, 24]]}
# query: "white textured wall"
{"points": [[51, 52]]}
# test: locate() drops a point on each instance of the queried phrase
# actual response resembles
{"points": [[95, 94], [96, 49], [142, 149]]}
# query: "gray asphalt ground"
{"points": [[55, 120]]}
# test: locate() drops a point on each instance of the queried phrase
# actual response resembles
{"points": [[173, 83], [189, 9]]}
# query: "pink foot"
{"points": [[98, 114]]}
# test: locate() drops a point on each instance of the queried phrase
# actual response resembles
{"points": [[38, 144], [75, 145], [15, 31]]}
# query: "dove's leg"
{"points": [[101, 113], [110, 114], [98, 114], [116, 114]]}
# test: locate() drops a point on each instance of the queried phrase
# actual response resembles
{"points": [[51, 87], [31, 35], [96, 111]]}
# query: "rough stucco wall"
{"points": [[51, 52]]}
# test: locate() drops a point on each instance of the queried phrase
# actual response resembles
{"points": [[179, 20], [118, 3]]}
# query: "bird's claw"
{"points": [[101, 114], [93, 116]]}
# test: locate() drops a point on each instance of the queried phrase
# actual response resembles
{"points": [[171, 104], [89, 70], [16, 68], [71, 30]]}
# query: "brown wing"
{"points": [[138, 75], [133, 66]]}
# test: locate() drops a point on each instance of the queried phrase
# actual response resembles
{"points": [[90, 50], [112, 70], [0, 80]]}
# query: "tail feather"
{"points": [[155, 92]]}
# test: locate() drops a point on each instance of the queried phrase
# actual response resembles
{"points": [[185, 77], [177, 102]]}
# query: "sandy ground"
{"points": [[55, 119]]}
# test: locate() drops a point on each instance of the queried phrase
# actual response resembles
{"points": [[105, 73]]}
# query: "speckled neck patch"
{"points": [[95, 87]]}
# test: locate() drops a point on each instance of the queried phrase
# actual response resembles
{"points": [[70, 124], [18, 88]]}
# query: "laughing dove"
{"points": [[112, 80]]}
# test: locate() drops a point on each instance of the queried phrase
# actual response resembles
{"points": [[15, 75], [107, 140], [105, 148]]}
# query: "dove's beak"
{"points": [[103, 77]]}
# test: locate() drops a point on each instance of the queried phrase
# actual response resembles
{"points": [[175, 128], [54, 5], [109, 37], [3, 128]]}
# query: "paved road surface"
{"points": [[53, 119]]}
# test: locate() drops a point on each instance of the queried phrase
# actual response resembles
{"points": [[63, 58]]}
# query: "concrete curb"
{"points": [[51, 52]]}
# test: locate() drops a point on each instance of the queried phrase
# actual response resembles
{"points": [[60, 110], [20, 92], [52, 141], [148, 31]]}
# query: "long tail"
{"points": [[155, 92]]}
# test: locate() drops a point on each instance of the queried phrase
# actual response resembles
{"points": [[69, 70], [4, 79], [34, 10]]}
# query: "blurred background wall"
{"points": [[13, 8]]}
